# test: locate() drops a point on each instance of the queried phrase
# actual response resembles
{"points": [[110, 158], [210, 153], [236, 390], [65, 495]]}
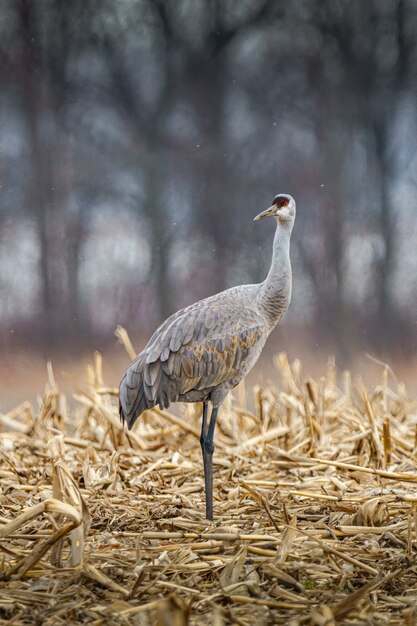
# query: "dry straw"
{"points": [[315, 504]]}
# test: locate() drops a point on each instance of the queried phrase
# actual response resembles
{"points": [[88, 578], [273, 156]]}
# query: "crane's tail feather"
{"points": [[140, 389], [132, 402]]}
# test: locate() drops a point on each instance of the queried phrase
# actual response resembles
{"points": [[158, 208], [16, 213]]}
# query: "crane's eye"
{"points": [[281, 202]]}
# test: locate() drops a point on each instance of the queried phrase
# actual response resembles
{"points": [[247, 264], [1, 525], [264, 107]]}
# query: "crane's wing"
{"points": [[197, 348]]}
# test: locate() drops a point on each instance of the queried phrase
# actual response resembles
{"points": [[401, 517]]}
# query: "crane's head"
{"points": [[283, 209]]}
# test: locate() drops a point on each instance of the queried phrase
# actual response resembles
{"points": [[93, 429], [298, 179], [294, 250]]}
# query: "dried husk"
{"points": [[315, 507]]}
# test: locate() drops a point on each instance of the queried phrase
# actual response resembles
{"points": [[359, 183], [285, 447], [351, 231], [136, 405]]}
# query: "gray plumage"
{"points": [[201, 352]]}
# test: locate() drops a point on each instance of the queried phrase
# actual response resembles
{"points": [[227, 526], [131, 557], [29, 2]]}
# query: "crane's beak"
{"points": [[267, 213]]}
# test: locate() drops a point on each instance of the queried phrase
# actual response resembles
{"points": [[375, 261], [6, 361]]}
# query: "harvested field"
{"points": [[315, 507]]}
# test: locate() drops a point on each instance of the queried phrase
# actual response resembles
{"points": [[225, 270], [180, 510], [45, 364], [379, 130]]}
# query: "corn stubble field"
{"points": [[315, 508]]}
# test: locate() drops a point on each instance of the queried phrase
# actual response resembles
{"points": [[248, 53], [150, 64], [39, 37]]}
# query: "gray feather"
{"points": [[208, 347], [164, 355]]}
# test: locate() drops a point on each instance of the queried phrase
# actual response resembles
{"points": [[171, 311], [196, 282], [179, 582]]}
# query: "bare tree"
{"points": [[209, 107]]}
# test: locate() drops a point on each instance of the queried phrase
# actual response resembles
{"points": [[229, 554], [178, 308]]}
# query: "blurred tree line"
{"points": [[139, 137]]}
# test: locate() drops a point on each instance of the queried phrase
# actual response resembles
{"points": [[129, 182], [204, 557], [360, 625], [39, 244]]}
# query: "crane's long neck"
{"points": [[275, 290]]}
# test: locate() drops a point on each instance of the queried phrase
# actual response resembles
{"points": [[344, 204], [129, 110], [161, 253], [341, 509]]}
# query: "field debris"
{"points": [[315, 506]]}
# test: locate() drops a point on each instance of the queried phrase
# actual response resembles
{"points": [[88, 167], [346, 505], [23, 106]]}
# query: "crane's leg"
{"points": [[207, 448]]}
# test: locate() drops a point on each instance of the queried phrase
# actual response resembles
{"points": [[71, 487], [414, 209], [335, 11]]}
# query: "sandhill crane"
{"points": [[203, 351]]}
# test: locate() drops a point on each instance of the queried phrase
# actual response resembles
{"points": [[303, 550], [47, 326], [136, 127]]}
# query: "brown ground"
{"points": [[315, 507]]}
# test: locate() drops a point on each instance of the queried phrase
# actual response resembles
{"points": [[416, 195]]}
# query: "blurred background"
{"points": [[140, 137]]}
